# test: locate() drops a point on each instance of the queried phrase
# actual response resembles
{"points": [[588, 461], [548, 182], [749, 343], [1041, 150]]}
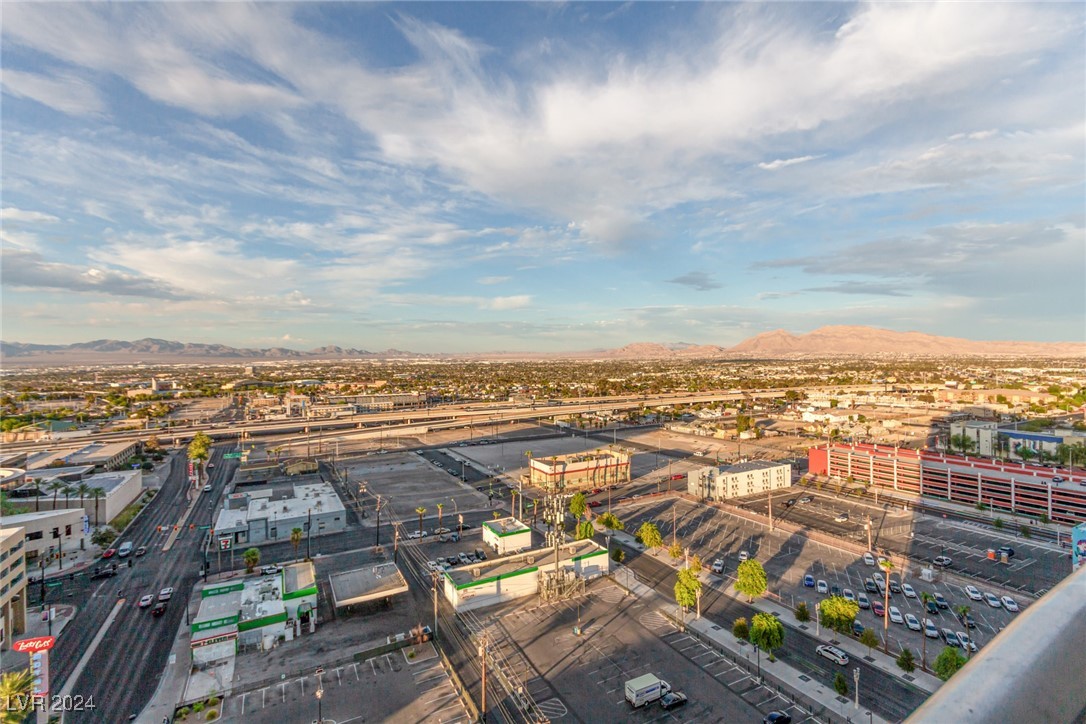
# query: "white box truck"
{"points": [[645, 689]]}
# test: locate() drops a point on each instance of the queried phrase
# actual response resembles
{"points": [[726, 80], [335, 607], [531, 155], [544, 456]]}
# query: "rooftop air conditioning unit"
{"points": [[476, 572]]}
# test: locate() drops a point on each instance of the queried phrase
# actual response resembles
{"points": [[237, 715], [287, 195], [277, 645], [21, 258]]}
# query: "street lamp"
{"points": [[856, 679]]}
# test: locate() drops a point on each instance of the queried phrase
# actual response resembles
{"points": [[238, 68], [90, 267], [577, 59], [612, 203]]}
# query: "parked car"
{"points": [[930, 629], [869, 586], [442, 531], [1006, 550], [877, 577], [718, 566], [992, 600], [789, 503], [950, 637], [841, 517], [869, 559], [941, 601], [809, 581], [416, 534], [805, 499], [942, 561], [833, 653], [480, 554], [932, 608], [743, 555], [895, 615], [822, 587], [464, 558], [912, 622], [862, 600], [895, 587], [835, 590], [848, 594], [966, 619], [1010, 604], [908, 590], [594, 504], [776, 717], [878, 609], [966, 642], [673, 700], [147, 600], [857, 629], [974, 593], [271, 570]]}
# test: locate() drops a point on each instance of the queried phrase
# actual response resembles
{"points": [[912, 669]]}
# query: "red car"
{"points": [[109, 552], [597, 491], [594, 504], [877, 609]]}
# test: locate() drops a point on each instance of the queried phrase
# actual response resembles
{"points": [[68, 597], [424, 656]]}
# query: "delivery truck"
{"points": [[645, 689]]}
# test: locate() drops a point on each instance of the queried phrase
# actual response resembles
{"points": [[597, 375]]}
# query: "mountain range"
{"points": [[823, 342]]}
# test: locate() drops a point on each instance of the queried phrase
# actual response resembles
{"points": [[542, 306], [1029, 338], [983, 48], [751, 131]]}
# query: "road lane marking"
{"points": [[85, 659]]}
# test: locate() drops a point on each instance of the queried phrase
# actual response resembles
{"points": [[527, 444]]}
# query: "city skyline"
{"points": [[461, 177]]}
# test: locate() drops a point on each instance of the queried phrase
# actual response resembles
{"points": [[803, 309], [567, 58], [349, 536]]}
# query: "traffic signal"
{"points": [[192, 526], [160, 529]]}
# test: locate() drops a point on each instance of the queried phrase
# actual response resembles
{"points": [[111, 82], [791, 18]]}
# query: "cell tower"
{"points": [[558, 584]]}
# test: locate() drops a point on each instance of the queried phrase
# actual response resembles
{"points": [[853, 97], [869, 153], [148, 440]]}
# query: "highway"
{"points": [[124, 670]]}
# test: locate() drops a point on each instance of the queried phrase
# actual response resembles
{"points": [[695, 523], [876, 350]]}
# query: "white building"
{"points": [[117, 490], [52, 532], [741, 479], [12, 585], [506, 535], [270, 513], [504, 579]]}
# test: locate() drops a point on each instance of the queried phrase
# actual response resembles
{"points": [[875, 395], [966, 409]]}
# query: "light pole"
{"points": [[320, 694], [856, 680]]}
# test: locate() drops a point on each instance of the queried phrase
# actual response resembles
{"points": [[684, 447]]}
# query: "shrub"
{"points": [[1024, 531], [997, 524], [618, 555], [183, 712], [802, 612], [840, 684], [198, 707], [905, 661], [213, 701], [740, 629], [212, 714]]}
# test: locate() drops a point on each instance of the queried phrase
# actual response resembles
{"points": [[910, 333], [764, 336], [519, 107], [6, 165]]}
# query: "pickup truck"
{"points": [[645, 689]]}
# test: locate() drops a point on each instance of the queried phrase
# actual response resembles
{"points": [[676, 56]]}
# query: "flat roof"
{"points": [[752, 465], [110, 481], [367, 584], [299, 577], [231, 520], [262, 597], [506, 526], [24, 518], [534, 558]]}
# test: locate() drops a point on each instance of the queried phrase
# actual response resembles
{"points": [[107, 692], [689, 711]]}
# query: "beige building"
{"points": [[12, 586], [118, 490], [580, 471], [104, 456], [741, 479], [52, 532]]}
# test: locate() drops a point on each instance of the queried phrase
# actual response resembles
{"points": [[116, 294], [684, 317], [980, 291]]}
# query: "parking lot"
{"points": [[583, 676], [413, 687], [713, 534]]}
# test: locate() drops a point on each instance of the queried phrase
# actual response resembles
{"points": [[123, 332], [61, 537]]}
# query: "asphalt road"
{"points": [[883, 694], [124, 670]]}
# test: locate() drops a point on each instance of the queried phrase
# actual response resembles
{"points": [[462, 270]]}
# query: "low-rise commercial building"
{"points": [[503, 579], [580, 471], [738, 480], [269, 513], [115, 491], [102, 455], [506, 535], [12, 585]]}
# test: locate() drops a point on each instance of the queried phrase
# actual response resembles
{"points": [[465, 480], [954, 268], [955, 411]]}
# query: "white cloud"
{"points": [[11, 213], [66, 93], [781, 163], [492, 280]]}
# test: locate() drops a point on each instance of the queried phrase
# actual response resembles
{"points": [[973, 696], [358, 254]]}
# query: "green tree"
{"points": [[948, 662], [675, 550], [905, 661], [997, 524], [740, 630], [803, 613], [962, 442], [766, 632], [584, 530], [618, 555], [252, 559], [98, 494], [578, 505], [611, 522], [15, 699], [687, 588], [56, 485], [296, 539], [649, 535], [751, 579], [421, 511], [840, 684], [869, 638], [1023, 530], [838, 613], [199, 451]]}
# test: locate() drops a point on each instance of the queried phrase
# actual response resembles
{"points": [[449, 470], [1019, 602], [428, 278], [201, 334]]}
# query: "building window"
{"points": [[36, 535], [67, 530], [56, 532]]}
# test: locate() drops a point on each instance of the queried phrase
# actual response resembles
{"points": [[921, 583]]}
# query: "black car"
{"points": [[932, 607], [672, 700], [466, 526], [869, 586], [777, 717], [857, 629], [1007, 550], [159, 609], [967, 620], [790, 502], [895, 587]]}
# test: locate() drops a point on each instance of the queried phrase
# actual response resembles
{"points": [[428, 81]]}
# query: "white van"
{"points": [[125, 549], [645, 689]]}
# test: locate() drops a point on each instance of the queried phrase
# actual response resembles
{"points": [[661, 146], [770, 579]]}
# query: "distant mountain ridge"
{"points": [[823, 342]]}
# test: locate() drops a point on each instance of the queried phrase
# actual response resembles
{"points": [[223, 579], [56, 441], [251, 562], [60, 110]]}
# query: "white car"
{"points": [[834, 654], [965, 641], [930, 630], [942, 561], [974, 593], [165, 594], [869, 559], [415, 534], [432, 565], [848, 594], [895, 615], [1010, 604], [877, 576], [718, 565], [912, 622], [743, 555], [908, 590], [822, 587], [147, 600], [992, 600]]}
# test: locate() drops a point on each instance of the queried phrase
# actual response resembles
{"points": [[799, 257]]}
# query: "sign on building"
{"points": [[1078, 546]]}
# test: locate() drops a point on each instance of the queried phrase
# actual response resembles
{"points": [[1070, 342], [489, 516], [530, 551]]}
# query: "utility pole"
{"points": [[770, 496], [868, 526], [378, 520], [433, 575], [309, 535], [482, 655]]}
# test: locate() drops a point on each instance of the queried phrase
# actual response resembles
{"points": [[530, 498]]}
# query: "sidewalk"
{"points": [[172, 683]]}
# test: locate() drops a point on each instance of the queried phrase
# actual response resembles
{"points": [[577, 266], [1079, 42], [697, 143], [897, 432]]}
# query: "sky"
{"points": [[472, 177]]}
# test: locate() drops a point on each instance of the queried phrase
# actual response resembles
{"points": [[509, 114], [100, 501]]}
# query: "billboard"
{"points": [[1078, 546]]}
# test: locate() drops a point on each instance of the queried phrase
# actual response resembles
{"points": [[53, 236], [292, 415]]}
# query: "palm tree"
{"points": [[440, 507], [886, 566], [925, 597], [296, 540], [15, 689], [98, 493], [421, 511], [37, 494], [535, 510], [56, 485]]}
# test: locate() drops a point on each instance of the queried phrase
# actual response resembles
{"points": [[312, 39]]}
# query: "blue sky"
{"points": [[532, 176]]}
